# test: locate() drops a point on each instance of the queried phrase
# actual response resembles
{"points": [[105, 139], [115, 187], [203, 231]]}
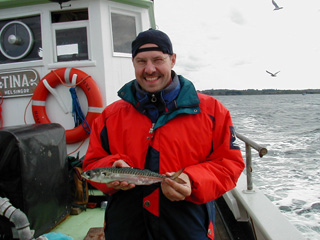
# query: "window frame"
{"points": [[70, 25], [137, 14]]}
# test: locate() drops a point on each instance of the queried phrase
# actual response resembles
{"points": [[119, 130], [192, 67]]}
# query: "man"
{"points": [[162, 124]]}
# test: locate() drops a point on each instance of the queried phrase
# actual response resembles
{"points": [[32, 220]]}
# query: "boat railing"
{"points": [[249, 145]]}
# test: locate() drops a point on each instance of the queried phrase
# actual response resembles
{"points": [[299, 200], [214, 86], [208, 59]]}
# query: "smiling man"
{"points": [[162, 124]]}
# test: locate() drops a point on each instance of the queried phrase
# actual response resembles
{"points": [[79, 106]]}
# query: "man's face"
{"points": [[153, 69]]}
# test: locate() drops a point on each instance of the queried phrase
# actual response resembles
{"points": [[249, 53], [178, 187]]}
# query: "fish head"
{"points": [[90, 175], [87, 175], [96, 175]]}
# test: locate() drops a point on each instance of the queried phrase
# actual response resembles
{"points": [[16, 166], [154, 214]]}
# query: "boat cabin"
{"points": [[38, 37]]}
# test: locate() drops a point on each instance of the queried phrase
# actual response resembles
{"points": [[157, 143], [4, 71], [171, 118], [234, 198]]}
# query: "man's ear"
{"points": [[173, 60]]}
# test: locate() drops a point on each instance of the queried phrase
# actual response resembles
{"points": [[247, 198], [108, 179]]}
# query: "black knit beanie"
{"points": [[152, 36]]}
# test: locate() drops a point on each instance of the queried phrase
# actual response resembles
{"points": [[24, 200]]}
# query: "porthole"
{"points": [[16, 40]]}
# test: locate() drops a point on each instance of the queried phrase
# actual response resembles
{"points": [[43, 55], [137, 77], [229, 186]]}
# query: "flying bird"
{"points": [[273, 74], [276, 5]]}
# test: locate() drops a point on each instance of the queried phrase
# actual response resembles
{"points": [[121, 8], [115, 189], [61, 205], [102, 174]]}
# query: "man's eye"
{"points": [[141, 61], [158, 60]]}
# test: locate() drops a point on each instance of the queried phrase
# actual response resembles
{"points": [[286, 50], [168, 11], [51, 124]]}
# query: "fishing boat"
{"points": [[61, 62]]}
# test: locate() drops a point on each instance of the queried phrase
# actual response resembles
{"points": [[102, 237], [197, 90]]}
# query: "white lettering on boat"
{"points": [[18, 83]]}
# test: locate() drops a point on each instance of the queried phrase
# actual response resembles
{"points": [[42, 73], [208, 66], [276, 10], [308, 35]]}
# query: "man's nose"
{"points": [[150, 68]]}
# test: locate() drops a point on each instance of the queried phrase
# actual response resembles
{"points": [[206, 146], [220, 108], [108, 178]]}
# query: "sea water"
{"points": [[289, 175]]}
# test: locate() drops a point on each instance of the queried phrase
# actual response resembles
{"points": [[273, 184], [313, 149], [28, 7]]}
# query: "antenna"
{"points": [[60, 2]]}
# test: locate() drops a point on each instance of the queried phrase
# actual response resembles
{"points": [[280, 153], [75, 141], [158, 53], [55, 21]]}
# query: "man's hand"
{"points": [[120, 185], [178, 189]]}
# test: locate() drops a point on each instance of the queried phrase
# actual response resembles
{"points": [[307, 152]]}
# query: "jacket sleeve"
{"points": [[221, 169], [97, 156]]}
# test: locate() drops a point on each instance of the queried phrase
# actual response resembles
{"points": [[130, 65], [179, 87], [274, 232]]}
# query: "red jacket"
{"points": [[197, 136]]}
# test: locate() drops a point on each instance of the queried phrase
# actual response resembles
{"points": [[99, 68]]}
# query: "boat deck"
{"points": [[220, 232], [78, 226]]}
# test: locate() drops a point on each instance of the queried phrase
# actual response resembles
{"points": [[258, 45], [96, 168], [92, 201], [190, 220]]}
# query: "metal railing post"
{"points": [[249, 167], [261, 150]]}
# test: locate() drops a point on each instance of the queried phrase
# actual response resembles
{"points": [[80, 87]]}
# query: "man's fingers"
{"points": [[120, 163], [178, 189], [174, 191], [121, 185]]}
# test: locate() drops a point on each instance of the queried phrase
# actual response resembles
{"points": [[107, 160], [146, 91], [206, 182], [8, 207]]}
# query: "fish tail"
{"points": [[177, 174]]}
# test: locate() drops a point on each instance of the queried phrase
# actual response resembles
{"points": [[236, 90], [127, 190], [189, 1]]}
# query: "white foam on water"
{"points": [[289, 175]]}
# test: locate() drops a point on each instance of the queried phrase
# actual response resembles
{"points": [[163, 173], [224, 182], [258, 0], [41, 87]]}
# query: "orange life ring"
{"points": [[85, 82]]}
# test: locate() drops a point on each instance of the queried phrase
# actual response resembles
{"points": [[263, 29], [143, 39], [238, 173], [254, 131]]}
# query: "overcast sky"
{"points": [[230, 44]]}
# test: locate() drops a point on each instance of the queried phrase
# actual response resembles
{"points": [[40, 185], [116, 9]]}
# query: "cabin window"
{"points": [[71, 39], [69, 16], [20, 40], [72, 44], [123, 32]]}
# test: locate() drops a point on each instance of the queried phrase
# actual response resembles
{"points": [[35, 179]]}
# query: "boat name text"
{"points": [[18, 83]]}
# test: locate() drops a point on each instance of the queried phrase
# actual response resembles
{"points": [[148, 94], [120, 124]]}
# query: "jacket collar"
{"points": [[187, 101], [187, 96], [157, 103]]}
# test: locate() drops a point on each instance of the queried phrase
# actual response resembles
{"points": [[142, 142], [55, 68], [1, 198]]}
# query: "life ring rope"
{"points": [[63, 76], [67, 79]]}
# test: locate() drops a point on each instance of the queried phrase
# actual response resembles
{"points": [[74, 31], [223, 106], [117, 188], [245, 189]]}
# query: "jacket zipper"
{"points": [[151, 129], [151, 132]]}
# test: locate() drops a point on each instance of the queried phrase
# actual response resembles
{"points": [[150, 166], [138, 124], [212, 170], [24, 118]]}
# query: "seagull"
{"points": [[276, 5], [273, 74]]}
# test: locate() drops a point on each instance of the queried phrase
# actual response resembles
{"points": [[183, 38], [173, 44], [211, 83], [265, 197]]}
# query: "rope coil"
{"points": [[77, 113]]}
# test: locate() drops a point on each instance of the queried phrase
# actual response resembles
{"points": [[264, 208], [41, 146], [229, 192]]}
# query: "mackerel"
{"points": [[130, 175]]}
